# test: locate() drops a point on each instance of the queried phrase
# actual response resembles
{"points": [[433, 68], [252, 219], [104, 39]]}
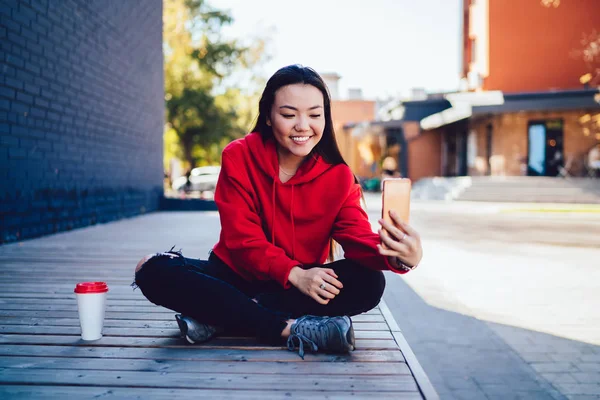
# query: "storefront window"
{"points": [[537, 149]]}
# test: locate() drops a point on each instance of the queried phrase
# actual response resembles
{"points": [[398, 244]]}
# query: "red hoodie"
{"points": [[269, 227]]}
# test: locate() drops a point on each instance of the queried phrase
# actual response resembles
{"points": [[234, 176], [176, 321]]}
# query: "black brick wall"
{"points": [[81, 113]]}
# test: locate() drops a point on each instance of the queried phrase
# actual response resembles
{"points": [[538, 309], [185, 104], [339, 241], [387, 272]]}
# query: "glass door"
{"points": [[545, 150]]}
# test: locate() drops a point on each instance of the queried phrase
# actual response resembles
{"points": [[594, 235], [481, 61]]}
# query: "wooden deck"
{"points": [[141, 354]]}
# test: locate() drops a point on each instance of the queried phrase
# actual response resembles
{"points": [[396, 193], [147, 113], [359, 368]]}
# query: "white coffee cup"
{"points": [[91, 303]]}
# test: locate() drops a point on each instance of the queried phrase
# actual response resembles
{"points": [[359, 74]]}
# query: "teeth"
{"points": [[300, 139]]}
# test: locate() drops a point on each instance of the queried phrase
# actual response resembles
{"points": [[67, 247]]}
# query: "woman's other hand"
{"points": [[311, 283], [402, 241]]}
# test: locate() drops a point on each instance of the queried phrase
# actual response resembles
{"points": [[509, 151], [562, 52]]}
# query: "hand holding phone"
{"points": [[399, 241]]}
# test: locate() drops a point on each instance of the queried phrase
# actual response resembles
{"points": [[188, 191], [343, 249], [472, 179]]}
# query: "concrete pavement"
{"points": [[504, 305]]}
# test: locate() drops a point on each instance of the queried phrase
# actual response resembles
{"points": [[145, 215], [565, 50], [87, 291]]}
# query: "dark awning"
{"points": [[543, 101], [467, 104]]}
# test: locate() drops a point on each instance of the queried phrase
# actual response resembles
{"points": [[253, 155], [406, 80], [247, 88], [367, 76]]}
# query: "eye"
{"points": [[315, 115], [287, 115]]}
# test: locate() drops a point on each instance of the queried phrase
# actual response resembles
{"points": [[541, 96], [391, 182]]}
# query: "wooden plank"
{"points": [[111, 302], [113, 283], [27, 291], [113, 270], [71, 300], [198, 353], [198, 380], [132, 332], [64, 265], [75, 272], [72, 272], [122, 341], [175, 340], [115, 323], [171, 331], [73, 279], [128, 296], [158, 316], [69, 303], [17, 392], [142, 306], [286, 368], [89, 262], [65, 287]]}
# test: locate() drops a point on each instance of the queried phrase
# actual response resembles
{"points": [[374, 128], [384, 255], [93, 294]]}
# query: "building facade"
{"points": [[527, 45], [360, 152], [81, 113], [537, 53], [529, 103]]}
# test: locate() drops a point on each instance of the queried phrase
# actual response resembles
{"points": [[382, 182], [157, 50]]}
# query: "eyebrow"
{"points": [[295, 109]]}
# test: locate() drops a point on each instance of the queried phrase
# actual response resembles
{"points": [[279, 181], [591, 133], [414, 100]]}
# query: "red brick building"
{"points": [[527, 45], [524, 109]]}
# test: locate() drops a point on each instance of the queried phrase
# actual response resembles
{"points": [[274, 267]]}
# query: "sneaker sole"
{"points": [[350, 340]]}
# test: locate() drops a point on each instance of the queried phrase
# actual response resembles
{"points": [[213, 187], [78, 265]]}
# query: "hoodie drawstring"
{"points": [[293, 227], [291, 217], [273, 218]]}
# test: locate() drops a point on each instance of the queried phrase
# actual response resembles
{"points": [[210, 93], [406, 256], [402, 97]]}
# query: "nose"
{"points": [[302, 125]]}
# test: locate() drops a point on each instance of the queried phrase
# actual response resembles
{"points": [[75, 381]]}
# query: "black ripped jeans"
{"points": [[211, 292]]}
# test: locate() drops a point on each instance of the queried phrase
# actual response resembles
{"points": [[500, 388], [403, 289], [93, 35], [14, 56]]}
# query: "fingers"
{"points": [[330, 272], [386, 252], [331, 286], [312, 280], [325, 293], [400, 245], [327, 286], [397, 230], [398, 224], [407, 248], [326, 275], [334, 283], [396, 233], [327, 278], [403, 225], [320, 300]]}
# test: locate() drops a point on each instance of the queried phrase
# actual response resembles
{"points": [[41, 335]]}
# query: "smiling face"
{"points": [[297, 120]]}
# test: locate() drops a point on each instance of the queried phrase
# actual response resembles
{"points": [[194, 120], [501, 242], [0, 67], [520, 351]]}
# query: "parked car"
{"points": [[201, 179]]}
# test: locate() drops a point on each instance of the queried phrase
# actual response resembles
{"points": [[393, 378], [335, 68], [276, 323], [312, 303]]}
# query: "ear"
{"points": [[268, 122]]}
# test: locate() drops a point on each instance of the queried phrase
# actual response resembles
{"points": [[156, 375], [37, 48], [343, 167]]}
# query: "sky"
{"points": [[384, 47]]}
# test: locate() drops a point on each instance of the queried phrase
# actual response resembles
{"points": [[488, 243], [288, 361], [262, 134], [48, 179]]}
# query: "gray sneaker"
{"points": [[194, 331], [328, 334]]}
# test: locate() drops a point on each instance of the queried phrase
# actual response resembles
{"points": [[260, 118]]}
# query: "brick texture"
{"points": [[81, 113]]}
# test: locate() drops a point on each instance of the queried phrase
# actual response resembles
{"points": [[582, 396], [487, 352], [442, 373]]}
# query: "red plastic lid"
{"points": [[91, 287]]}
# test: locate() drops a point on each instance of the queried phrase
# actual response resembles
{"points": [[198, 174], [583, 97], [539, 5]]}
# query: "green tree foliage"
{"points": [[205, 107]]}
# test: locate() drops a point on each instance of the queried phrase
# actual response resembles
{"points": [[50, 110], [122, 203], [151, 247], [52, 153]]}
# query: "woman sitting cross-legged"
{"points": [[284, 194]]}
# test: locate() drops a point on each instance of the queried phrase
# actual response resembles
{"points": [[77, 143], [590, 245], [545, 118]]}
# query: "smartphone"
{"points": [[396, 196]]}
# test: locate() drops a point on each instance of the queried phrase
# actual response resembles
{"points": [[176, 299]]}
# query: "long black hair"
{"points": [[327, 147]]}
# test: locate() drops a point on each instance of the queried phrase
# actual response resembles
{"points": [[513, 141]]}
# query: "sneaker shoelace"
{"points": [[303, 330]]}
